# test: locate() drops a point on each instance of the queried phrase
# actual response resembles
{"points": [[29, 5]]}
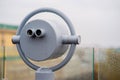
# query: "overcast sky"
{"points": [[97, 21]]}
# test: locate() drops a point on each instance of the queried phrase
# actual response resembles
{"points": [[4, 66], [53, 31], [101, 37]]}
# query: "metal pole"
{"points": [[3, 62], [3, 45], [93, 72]]}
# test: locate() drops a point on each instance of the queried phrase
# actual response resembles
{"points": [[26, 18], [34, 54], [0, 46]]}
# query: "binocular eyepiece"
{"points": [[38, 33], [41, 40], [46, 39]]}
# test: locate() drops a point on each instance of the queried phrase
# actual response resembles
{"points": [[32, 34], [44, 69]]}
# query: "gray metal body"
{"points": [[41, 40]]}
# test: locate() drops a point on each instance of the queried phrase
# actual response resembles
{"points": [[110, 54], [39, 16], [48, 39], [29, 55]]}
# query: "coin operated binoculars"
{"points": [[41, 40]]}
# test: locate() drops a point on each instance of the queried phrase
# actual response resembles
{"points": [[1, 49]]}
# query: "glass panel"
{"points": [[79, 68], [109, 64], [15, 67]]}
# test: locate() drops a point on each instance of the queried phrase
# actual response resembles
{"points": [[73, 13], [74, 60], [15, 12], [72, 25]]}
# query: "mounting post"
{"points": [[44, 74]]}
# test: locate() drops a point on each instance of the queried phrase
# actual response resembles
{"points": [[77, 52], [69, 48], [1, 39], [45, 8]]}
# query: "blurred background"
{"points": [[98, 23]]}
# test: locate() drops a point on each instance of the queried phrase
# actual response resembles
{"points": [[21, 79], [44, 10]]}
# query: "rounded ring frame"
{"points": [[72, 32]]}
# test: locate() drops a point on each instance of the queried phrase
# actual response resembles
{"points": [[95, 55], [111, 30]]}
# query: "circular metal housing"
{"points": [[41, 40]]}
